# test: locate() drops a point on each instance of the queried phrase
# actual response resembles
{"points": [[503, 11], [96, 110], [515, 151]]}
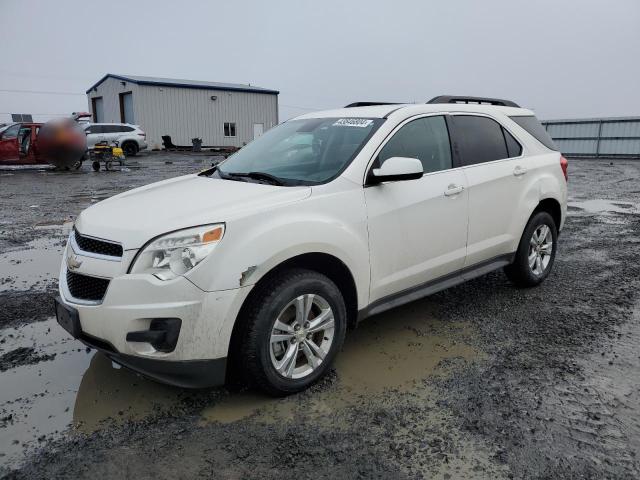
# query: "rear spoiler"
{"points": [[478, 100]]}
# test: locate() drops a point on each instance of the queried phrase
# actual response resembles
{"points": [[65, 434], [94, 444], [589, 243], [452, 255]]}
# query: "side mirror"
{"points": [[396, 169]]}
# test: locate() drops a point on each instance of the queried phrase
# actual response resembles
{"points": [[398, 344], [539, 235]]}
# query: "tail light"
{"points": [[564, 164]]}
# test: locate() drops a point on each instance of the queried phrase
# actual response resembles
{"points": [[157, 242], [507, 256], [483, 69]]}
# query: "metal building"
{"points": [[597, 137], [221, 114]]}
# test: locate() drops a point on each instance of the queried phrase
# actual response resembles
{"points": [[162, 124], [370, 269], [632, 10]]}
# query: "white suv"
{"points": [[131, 138], [260, 264]]}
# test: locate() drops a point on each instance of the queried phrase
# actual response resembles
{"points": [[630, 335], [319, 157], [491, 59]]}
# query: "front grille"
{"points": [[84, 287], [101, 247]]}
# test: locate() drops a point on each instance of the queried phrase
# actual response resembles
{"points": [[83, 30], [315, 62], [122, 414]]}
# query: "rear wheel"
{"points": [[130, 149], [536, 252], [95, 165], [295, 326]]}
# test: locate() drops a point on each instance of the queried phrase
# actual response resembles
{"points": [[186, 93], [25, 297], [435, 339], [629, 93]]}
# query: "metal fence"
{"points": [[597, 137]]}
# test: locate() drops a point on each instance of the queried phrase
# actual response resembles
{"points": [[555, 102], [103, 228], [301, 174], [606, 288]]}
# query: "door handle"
{"points": [[453, 189], [518, 171]]}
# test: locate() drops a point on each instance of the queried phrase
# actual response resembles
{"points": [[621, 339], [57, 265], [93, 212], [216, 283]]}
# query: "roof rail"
{"points": [[479, 100], [369, 104]]}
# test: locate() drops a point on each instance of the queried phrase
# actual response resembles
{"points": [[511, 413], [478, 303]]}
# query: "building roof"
{"points": [[181, 83], [591, 120]]}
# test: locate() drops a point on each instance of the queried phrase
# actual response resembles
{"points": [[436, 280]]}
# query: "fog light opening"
{"points": [[162, 334]]}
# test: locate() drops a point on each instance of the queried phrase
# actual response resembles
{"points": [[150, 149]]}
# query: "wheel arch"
{"points": [[552, 207], [331, 266]]}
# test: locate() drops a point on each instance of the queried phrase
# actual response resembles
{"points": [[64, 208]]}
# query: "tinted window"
{"points": [[513, 147], [426, 139], [12, 131], [95, 129], [533, 126], [124, 128], [480, 139], [111, 128]]}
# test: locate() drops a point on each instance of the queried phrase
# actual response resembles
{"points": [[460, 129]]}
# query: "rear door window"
{"points": [[95, 129], [426, 139], [479, 139], [531, 124]]}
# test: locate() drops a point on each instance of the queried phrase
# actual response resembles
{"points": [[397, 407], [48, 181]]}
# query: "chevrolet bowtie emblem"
{"points": [[73, 262]]}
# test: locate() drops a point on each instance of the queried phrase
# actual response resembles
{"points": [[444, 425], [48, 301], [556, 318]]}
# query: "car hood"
{"points": [[134, 217]]}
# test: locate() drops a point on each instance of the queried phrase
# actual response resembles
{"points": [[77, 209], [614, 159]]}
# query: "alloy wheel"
{"points": [[540, 249], [302, 336]]}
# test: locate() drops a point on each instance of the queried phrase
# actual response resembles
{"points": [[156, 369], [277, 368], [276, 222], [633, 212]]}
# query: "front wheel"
{"points": [[536, 252], [295, 326]]}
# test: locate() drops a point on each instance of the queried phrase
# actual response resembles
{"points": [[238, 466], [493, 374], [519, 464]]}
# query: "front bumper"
{"points": [[185, 373], [133, 301]]}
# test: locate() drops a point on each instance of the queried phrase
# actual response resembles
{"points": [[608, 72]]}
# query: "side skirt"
{"points": [[434, 286]]}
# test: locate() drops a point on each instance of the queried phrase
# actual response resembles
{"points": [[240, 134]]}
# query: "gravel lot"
{"points": [[480, 381]]}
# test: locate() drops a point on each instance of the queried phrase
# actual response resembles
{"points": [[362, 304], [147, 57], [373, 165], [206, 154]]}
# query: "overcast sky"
{"points": [[562, 58]]}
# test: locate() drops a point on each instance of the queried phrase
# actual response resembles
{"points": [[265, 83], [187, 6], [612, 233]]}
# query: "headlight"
{"points": [[178, 252]]}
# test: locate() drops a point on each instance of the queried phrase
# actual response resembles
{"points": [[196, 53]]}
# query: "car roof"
{"points": [[383, 111]]}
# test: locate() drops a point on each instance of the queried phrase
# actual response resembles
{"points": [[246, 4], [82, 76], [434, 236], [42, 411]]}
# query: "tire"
{"points": [[95, 165], [526, 273], [280, 299], [130, 149]]}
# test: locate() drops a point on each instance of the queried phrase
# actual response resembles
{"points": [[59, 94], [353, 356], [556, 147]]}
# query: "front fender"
{"points": [[334, 224]]}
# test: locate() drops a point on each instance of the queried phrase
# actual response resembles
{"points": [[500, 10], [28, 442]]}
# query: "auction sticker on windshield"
{"points": [[353, 122]]}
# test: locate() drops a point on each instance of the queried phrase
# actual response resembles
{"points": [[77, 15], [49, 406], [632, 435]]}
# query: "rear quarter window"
{"points": [[513, 147], [531, 124]]}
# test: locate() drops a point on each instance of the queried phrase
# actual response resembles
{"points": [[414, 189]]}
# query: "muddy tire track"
{"points": [[553, 399]]}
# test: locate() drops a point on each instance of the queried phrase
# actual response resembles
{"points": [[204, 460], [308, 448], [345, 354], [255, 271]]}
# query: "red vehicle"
{"points": [[19, 144]]}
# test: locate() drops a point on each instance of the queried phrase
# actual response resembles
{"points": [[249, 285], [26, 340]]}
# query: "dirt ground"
{"points": [[480, 381]]}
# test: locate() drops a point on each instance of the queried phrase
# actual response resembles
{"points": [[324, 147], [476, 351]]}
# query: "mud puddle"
{"points": [[601, 206], [61, 387], [385, 355], [34, 267]]}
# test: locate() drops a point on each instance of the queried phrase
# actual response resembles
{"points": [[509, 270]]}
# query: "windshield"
{"points": [[302, 152], [3, 128]]}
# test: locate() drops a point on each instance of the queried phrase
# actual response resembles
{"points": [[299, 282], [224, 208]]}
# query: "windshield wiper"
{"points": [[258, 176]]}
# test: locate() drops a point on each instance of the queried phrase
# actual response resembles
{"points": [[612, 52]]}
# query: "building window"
{"points": [[229, 129]]}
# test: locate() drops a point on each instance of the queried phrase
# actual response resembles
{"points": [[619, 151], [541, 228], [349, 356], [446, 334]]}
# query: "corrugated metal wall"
{"points": [[597, 137], [110, 90], [186, 113]]}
